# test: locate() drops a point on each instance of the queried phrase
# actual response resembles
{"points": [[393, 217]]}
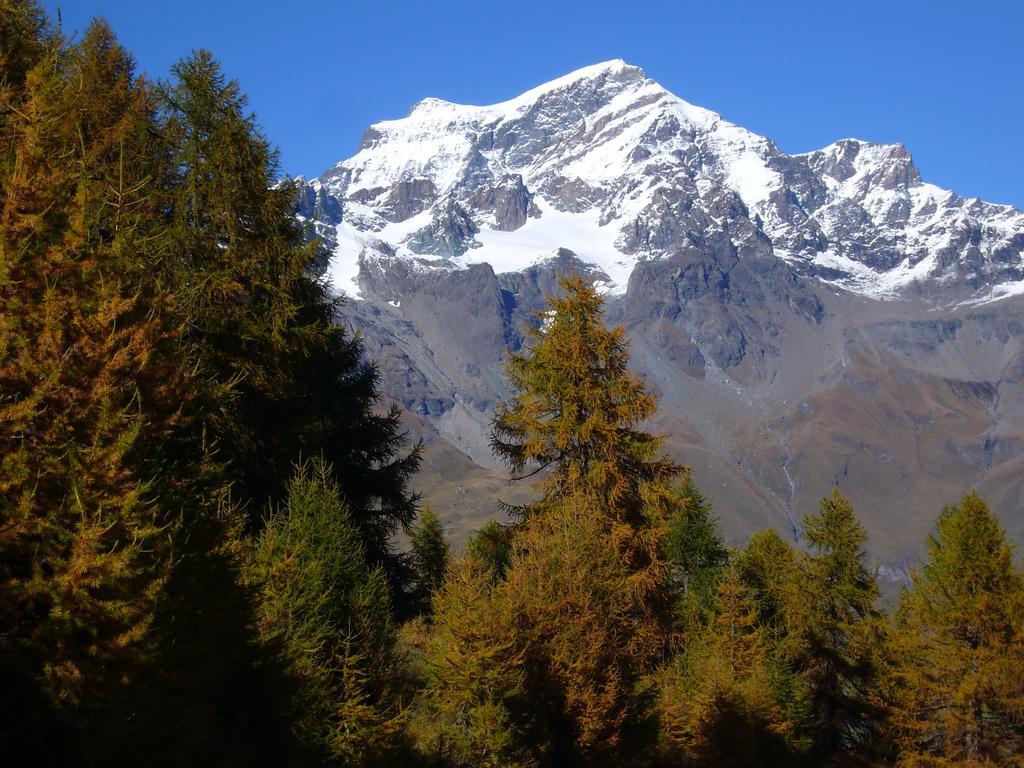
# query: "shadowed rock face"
{"points": [[449, 234], [807, 320]]}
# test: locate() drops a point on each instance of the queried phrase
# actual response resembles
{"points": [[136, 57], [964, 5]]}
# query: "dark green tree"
{"points": [[327, 612], [492, 547], [696, 556], [430, 555], [287, 380]]}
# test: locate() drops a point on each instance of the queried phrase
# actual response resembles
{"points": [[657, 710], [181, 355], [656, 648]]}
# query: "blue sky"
{"points": [[945, 78]]}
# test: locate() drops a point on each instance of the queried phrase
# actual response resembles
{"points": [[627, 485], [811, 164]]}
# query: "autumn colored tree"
{"points": [[589, 639], [587, 580], [472, 710], [576, 415], [25, 38], [91, 378], [957, 688], [836, 632], [729, 700], [577, 409]]}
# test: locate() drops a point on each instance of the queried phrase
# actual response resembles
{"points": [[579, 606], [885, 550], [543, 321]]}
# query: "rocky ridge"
{"points": [[809, 320]]}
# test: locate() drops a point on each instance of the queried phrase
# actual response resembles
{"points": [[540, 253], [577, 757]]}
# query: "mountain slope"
{"points": [[808, 319]]}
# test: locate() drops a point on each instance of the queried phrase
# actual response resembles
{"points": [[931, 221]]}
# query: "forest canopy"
{"points": [[202, 490]]}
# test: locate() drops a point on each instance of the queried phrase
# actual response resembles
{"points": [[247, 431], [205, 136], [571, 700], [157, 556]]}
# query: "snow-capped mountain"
{"points": [[808, 320], [607, 163]]}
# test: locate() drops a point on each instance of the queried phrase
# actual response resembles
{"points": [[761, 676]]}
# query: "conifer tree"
{"points": [[577, 408], [287, 380], [588, 638], [430, 556], [767, 565], [957, 693], [25, 37], [327, 613], [576, 415], [696, 556], [92, 384], [729, 701], [836, 632], [492, 546], [587, 581], [472, 710]]}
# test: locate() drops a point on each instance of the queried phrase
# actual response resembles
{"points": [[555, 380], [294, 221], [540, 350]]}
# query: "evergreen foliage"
{"points": [[144, 382], [696, 556], [327, 612], [492, 547], [728, 701], [430, 556], [286, 380]]}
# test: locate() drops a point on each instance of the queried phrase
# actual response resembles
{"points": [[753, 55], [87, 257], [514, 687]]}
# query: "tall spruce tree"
{"points": [[326, 611], [287, 380], [92, 384], [957, 687], [696, 556]]}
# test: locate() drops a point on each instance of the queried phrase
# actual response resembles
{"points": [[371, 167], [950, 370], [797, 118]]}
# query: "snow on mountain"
{"points": [[608, 164]]}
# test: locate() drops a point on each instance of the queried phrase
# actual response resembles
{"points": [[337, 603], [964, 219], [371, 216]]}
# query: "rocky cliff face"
{"points": [[809, 320]]}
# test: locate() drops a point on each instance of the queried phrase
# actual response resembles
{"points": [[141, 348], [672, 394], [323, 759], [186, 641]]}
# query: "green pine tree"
{"points": [[286, 380], [326, 611], [492, 547], [696, 556], [430, 556], [728, 700]]}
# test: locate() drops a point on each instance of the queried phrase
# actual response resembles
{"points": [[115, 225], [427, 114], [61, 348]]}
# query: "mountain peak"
{"points": [[606, 162], [615, 70]]}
